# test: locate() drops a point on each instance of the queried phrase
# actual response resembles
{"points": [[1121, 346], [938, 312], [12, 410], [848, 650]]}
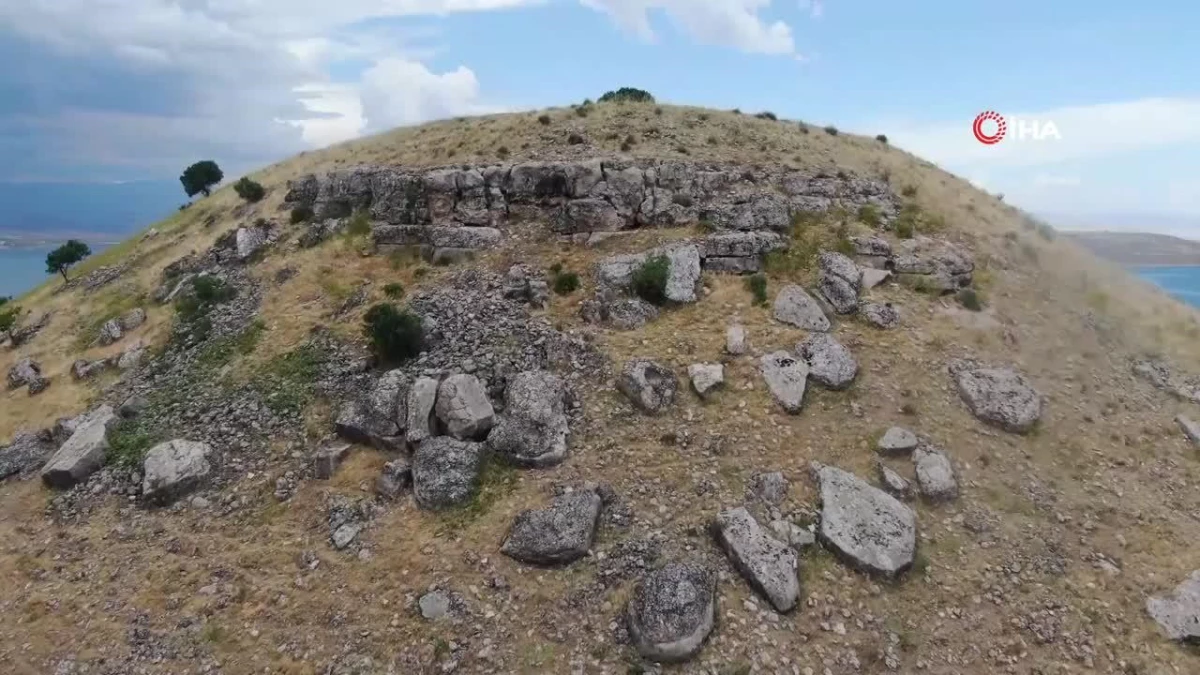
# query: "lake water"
{"points": [[1181, 282], [21, 269]]}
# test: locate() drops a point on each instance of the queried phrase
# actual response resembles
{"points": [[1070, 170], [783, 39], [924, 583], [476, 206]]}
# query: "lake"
{"points": [[21, 269], [1181, 282]]}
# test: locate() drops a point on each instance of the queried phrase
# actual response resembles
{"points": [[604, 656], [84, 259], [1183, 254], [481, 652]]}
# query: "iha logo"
{"points": [[990, 128]]}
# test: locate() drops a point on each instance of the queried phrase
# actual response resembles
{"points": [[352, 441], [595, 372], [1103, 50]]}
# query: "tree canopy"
{"points": [[62, 258], [201, 177], [249, 190], [627, 94]]}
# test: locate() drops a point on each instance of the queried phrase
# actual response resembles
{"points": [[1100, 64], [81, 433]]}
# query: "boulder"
{"points": [[132, 319], [445, 472], [556, 535], [785, 376], [735, 340], [871, 246], [865, 526], [683, 272], [395, 477], [110, 332], [24, 372], [895, 484], [533, 431], [1190, 428], [132, 356], [618, 311], [872, 277], [840, 294], [998, 396], [897, 441], [420, 420], [768, 564], [434, 605], [463, 407], [328, 457], [880, 315], [795, 307], [837, 265], [38, 386], [1178, 614], [83, 453], [706, 377], [375, 418], [650, 386], [83, 369], [935, 475], [26, 453], [173, 469], [671, 612], [249, 240], [829, 363]]}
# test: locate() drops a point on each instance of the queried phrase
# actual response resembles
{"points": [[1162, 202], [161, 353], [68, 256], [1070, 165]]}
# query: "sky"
{"points": [[126, 90]]}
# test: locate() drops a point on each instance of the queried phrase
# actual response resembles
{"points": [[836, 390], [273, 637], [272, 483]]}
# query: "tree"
{"points": [[630, 94], [201, 177], [249, 190], [60, 259]]}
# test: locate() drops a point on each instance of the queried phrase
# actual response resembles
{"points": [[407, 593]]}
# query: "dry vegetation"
{"points": [[1107, 471]]}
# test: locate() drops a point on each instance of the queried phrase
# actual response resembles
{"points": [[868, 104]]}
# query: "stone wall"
{"points": [[597, 195]]}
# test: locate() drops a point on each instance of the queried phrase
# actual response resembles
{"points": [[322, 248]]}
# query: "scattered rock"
{"points": [[83, 369], [998, 396], [396, 476], [671, 612], [935, 475], [132, 356], [463, 406], [880, 315], [24, 372], [795, 307], [132, 319], [768, 564], [533, 431], [792, 534], [896, 485], [620, 312], [735, 340], [875, 247], [110, 332], [556, 535], [840, 281], [785, 376], [706, 377], [865, 526], [26, 453], [347, 519], [434, 605], [446, 472], [650, 386], [525, 284], [898, 441], [1178, 614], [420, 419], [872, 277], [83, 453], [770, 487], [1190, 428], [328, 458], [829, 363], [173, 469]]}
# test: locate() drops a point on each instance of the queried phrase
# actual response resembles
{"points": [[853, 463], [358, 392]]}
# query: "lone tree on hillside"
{"points": [[627, 94], [60, 259], [201, 177]]}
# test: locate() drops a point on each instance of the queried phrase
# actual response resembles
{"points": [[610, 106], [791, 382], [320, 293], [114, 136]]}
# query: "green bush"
{"points": [[502, 152], [301, 214], [868, 214], [909, 191], [128, 443], [62, 258], [582, 111], [192, 309], [359, 225], [882, 139], [249, 190], [566, 283], [8, 315], [650, 280], [395, 334], [394, 290], [201, 177], [757, 285], [969, 299], [767, 115], [831, 130], [544, 120], [627, 95], [574, 139]]}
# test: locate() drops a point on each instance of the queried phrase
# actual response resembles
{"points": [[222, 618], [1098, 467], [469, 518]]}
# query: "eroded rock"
{"points": [[1178, 614], [935, 475], [706, 377], [559, 534], [463, 407], [786, 377], [880, 315], [533, 431], [768, 564], [420, 417], [446, 471], [795, 307], [998, 396], [83, 453], [26, 453], [865, 526], [671, 612], [173, 469], [735, 340], [897, 441], [650, 386], [829, 362]]}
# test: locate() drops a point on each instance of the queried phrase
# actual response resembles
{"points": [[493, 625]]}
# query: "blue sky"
{"points": [[111, 90]]}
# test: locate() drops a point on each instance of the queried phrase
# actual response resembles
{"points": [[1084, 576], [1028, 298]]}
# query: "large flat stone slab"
{"points": [[768, 564], [1001, 397], [556, 535], [671, 612], [1178, 614], [83, 453], [863, 525], [173, 469], [795, 307]]}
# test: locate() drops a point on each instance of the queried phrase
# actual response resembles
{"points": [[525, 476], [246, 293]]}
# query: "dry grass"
{"points": [[1126, 473]]}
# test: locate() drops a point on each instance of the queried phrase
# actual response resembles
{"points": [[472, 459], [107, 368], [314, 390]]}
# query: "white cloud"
{"points": [[398, 92], [726, 23]]}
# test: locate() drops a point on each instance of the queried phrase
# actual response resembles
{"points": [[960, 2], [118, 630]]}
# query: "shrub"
{"points": [[359, 224], [62, 258], [803, 128], [502, 152], [881, 138], [627, 94], [626, 146], [301, 214], [969, 299], [909, 191], [249, 190], [767, 115], [831, 130], [395, 334], [868, 214], [906, 222], [394, 290], [574, 139], [650, 279], [582, 111], [658, 111], [757, 285], [8, 315], [201, 177], [565, 283], [128, 443], [544, 120], [713, 140], [736, 111]]}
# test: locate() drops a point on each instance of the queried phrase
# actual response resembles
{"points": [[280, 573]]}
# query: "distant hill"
{"points": [[1139, 248], [57, 209]]}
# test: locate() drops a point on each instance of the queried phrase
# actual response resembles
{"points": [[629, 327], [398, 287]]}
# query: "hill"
{"points": [[953, 448], [1139, 248]]}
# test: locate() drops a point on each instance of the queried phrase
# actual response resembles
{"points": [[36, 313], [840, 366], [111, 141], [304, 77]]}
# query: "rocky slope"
{"points": [[866, 420]]}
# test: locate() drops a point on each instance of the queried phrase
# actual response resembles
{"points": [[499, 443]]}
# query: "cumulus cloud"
{"points": [[727, 23]]}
